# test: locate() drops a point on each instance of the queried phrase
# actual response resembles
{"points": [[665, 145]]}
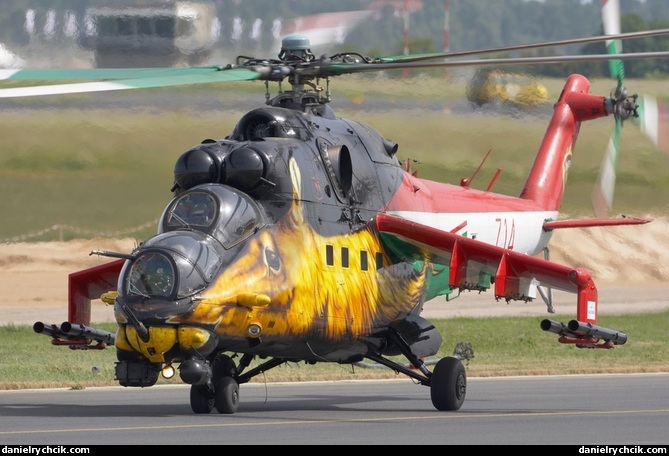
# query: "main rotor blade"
{"points": [[104, 73], [520, 47], [349, 68], [205, 77]]}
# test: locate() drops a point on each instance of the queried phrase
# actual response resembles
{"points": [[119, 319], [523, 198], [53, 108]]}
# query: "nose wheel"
{"points": [[227, 396], [221, 392], [201, 399]]}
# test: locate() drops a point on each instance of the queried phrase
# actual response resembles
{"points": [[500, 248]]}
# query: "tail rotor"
{"points": [[602, 194], [654, 121], [651, 116]]}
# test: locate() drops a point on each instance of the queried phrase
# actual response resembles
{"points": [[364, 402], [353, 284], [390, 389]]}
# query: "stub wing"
{"points": [[83, 287], [514, 275], [89, 284]]}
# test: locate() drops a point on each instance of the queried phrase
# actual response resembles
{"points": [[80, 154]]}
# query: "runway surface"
{"points": [[585, 410]]}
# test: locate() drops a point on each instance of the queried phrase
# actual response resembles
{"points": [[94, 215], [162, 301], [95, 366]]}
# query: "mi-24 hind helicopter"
{"points": [[301, 237]]}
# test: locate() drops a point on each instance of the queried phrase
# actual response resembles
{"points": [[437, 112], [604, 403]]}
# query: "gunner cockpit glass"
{"points": [[173, 265], [152, 275]]}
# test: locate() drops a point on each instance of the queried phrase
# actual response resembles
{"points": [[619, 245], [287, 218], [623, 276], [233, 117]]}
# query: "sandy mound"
{"points": [[55, 257], [33, 276], [618, 254]]}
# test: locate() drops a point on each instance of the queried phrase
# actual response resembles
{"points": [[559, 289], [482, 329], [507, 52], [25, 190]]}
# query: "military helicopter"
{"points": [[302, 237]]}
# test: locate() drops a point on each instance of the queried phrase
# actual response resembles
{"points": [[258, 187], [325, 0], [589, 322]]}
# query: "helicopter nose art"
{"points": [[274, 289], [162, 339]]}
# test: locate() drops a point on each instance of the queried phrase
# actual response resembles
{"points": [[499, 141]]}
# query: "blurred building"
{"points": [[168, 34]]}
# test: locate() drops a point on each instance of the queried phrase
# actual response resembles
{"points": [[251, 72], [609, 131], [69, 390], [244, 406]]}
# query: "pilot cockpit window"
{"points": [[240, 217], [195, 209], [221, 211]]}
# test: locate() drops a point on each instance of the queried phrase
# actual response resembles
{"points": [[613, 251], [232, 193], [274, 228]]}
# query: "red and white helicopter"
{"points": [[301, 236]]}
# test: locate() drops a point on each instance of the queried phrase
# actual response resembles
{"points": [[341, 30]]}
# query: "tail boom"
{"points": [[546, 181]]}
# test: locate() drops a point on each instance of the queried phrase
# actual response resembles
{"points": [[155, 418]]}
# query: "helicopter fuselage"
{"points": [[270, 240]]}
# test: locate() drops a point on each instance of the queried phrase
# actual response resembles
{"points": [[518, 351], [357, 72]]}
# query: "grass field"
{"points": [[502, 347], [110, 171]]}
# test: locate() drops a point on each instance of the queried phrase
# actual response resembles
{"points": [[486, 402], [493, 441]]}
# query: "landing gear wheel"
{"points": [[448, 384], [227, 395], [201, 399], [222, 367]]}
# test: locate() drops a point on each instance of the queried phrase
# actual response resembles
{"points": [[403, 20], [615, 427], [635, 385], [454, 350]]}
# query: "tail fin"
{"points": [[547, 178]]}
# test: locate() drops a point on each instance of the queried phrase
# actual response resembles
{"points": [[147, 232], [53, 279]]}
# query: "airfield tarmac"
{"points": [[629, 266], [628, 263], [567, 410]]}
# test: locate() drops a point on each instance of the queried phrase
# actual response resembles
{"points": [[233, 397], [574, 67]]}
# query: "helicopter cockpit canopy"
{"points": [[195, 230], [221, 211], [173, 265]]}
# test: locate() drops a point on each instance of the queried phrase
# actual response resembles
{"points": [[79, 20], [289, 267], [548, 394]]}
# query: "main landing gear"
{"points": [[447, 382], [218, 378]]}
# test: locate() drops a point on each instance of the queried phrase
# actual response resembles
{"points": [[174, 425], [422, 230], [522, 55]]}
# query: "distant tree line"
{"points": [[473, 24]]}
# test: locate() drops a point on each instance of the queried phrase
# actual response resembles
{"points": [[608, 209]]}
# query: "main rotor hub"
{"points": [[296, 47]]}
